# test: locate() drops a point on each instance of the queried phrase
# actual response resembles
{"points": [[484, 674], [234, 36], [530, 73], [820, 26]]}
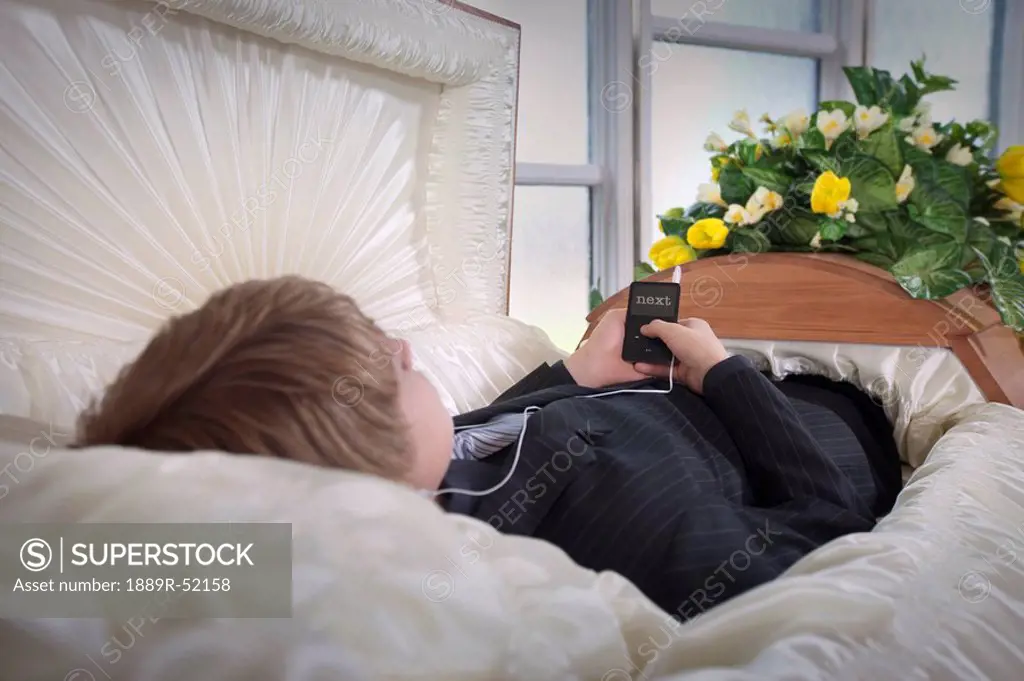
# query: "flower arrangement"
{"points": [[879, 180]]}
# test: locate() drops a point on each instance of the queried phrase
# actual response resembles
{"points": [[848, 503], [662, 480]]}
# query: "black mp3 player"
{"points": [[649, 301]]}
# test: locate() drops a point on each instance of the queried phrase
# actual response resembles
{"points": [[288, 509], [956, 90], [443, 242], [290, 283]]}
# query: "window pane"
{"points": [[552, 77], [956, 42], [550, 277], [695, 92], [795, 15]]}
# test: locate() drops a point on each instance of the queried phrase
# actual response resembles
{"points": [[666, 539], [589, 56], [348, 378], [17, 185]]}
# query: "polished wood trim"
{"points": [[838, 299]]}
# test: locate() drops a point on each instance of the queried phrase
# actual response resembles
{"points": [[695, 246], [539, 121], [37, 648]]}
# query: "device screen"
{"points": [[649, 301]]}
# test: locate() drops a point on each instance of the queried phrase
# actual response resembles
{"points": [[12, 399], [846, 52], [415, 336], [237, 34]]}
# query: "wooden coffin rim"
{"points": [[839, 299]]}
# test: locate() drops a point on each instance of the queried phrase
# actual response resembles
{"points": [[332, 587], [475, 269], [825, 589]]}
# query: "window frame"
{"points": [[621, 57], [829, 45]]}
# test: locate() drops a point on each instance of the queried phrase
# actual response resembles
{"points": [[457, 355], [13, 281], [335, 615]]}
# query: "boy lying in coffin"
{"points": [[695, 494]]}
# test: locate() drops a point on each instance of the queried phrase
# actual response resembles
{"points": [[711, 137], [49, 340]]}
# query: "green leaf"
{"points": [[812, 139], [595, 297], [871, 184], [699, 211], [749, 241], [930, 83], [1007, 286], [775, 180], [953, 179], [872, 221], [889, 93], [931, 271], [750, 151], [821, 160], [1007, 228], [876, 259], [917, 67], [736, 187], [880, 244], [862, 81], [642, 271], [932, 206], [883, 145], [833, 230], [912, 91], [674, 226], [846, 107], [794, 228]]}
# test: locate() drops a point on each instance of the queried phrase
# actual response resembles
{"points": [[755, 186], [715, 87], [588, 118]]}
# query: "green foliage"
{"points": [[931, 240], [642, 271], [595, 297]]}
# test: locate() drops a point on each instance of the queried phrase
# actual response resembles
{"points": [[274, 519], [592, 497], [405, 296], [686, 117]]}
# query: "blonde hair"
{"points": [[268, 367]]}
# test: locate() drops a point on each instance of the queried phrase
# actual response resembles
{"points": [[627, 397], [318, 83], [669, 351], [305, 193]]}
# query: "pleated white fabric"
{"points": [[393, 588], [151, 154], [154, 152], [921, 389]]}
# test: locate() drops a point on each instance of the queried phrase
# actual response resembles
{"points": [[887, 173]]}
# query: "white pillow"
{"points": [[403, 590], [470, 363]]}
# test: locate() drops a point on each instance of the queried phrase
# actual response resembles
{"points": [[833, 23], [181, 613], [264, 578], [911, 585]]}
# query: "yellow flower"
{"points": [[669, 252], [1011, 168], [707, 233], [829, 191]]}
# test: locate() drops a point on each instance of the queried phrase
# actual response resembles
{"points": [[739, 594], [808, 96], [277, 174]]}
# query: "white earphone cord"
{"points": [[522, 434]]}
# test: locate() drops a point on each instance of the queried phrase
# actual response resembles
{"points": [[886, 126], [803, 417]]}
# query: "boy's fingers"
{"points": [[658, 328], [656, 370], [653, 328]]}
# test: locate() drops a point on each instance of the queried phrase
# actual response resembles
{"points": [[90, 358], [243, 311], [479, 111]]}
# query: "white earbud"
{"points": [[522, 434]]}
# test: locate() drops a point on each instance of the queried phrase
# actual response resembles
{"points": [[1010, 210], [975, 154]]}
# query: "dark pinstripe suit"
{"points": [[694, 499]]}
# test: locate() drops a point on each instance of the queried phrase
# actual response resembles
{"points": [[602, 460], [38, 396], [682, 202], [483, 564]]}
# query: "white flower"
{"points": [[982, 221], [832, 124], [816, 241], [773, 201], [925, 138], [714, 142], [868, 120], [738, 215], [923, 111], [796, 122], [1014, 209], [741, 123], [710, 192], [766, 199], [905, 184], [783, 139], [907, 124], [960, 155], [846, 211]]}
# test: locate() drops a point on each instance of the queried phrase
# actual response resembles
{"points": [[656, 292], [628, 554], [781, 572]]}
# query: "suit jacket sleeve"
{"points": [[544, 376], [786, 464]]}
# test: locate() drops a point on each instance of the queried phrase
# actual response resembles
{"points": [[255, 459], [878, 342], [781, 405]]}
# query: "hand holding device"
{"points": [[598, 362], [694, 345], [649, 301]]}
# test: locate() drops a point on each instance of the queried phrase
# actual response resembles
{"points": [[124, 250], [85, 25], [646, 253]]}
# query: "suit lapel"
{"points": [[550, 460]]}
